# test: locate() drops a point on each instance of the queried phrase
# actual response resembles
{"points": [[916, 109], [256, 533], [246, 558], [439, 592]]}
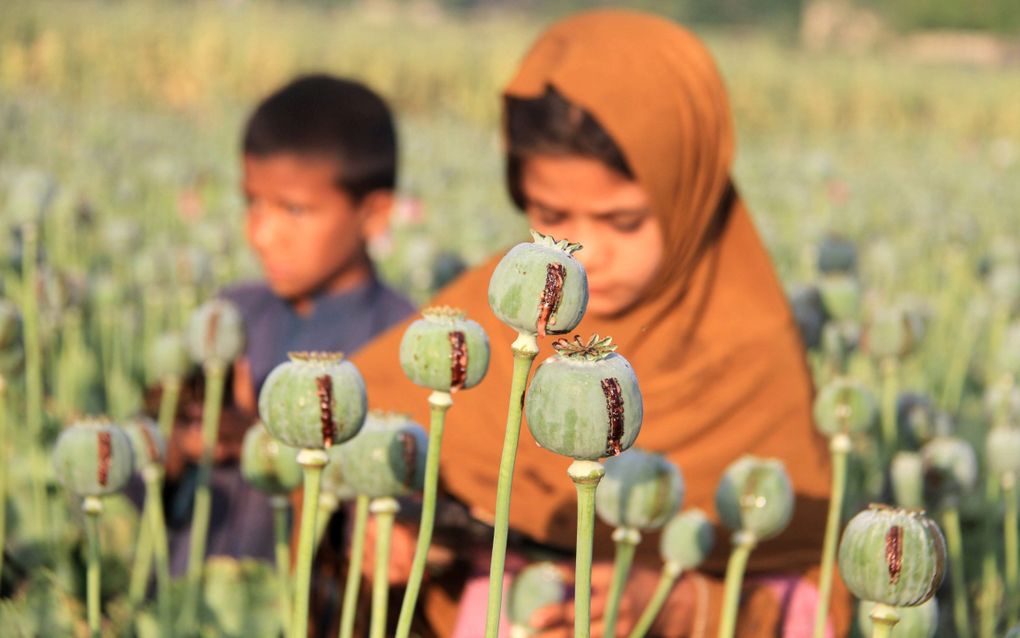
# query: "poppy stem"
{"points": [[93, 507], [626, 540], [354, 568], [586, 476], [282, 553], [743, 543], [957, 576], [670, 573], [883, 619], [839, 447], [312, 462], [385, 511]]}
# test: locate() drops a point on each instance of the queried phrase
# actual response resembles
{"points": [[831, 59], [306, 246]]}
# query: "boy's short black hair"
{"points": [[332, 117], [551, 124]]}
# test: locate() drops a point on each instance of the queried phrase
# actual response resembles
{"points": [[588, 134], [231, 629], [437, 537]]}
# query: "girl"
{"points": [[619, 137]]}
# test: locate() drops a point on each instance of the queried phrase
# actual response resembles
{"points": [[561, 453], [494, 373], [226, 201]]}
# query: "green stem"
{"points": [[954, 544], [670, 573], [93, 507], [281, 537], [168, 405], [586, 476], [312, 462], [1012, 553], [384, 510], [839, 447], [439, 403], [214, 378], [883, 619], [142, 561], [525, 348], [890, 383], [743, 543], [3, 472], [626, 539], [153, 476], [989, 598], [33, 362], [354, 568]]}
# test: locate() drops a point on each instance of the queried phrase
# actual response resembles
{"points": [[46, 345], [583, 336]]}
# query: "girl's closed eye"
{"points": [[629, 223]]}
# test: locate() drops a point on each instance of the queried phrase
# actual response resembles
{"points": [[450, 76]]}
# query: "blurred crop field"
{"points": [[126, 116]]}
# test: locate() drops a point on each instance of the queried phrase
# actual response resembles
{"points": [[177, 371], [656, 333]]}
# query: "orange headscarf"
{"points": [[714, 345]]}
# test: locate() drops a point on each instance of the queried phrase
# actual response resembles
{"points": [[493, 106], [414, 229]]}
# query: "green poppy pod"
{"points": [[640, 490], [892, 556], [147, 442], [93, 457], [841, 296], [534, 587], [845, 406], [387, 458], [444, 351], [584, 401], [168, 358], [313, 401], [215, 332], [837, 255], [1002, 449], [950, 469], [687, 539], [268, 465], [906, 473], [919, 621], [890, 333], [539, 288], [10, 325], [755, 496]]}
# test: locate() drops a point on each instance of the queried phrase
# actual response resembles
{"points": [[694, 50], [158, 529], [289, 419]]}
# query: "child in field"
{"points": [[619, 137], [319, 162]]}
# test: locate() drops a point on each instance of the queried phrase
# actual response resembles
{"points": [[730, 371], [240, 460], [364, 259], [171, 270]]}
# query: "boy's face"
{"points": [[308, 233], [580, 199]]}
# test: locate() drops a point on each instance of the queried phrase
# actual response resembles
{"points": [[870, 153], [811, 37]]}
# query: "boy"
{"points": [[319, 170]]}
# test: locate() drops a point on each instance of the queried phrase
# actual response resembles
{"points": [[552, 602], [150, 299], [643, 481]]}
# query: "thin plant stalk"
{"points": [[153, 477], [168, 405], [839, 448], [1012, 549], [883, 619], [989, 597], [312, 462], [33, 361], [439, 403], [670, 573], [525, 348], [954, 545], [142, 563], [385, 511], [586, 476], [890, 388], [282, 551], [215, 374], [3, 471], [92, 507], [626, 540], [353, 583], [743, 543]]}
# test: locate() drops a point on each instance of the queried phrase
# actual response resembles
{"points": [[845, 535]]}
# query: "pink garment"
{"points": [[799, 596]]}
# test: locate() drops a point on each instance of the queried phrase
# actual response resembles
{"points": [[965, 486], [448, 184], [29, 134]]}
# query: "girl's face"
{"points": [[581, 199]]}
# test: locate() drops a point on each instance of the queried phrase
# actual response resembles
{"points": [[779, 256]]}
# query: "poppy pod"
{"points": [[536, 586], [641, 490], [313, 401], [755, 496], [168, 357], [906, 474], [147, 442], [687, 539], [444, 351], [93, 457], [215, 332], [539, 288], [892, 556], [950, 468], [268, 465], [387, 458], [584, 401], [845, 407]]}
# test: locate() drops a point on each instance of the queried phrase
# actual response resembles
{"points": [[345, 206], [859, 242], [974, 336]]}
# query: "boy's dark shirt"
{"points": [[241, 523]]}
